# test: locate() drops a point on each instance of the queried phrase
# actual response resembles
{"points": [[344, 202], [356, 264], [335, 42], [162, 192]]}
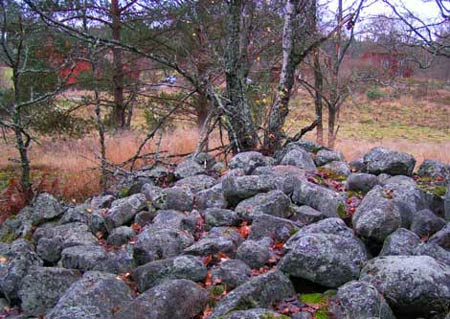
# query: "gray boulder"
{"points": [[357, 165], [101, 201], [43, 286], [306, 215], [16, 260], [381, 160], [159, 243], [412, 285], [210, 198], [188, 168], [85, 258], [274, 203], [231, 272], [180, 267], [447, 203], [286, 175], [177, 198], [255, 253], [196, 183], [442, 237], [123, 210], [175, 299], [257, 313], [325, 200], [121, 235], [337, 168], [325, 156], [326, 253], [361, 182], [259, 292], [50, 241], [425, 223], [96, 295], [175, 220], [219, 239], [77, 214], [299, 158], [45, 208], [434, 169], [221, 217], [238, 188], [376, 217], [358, 299], [97, 222], [248, 161], [279, 229]]}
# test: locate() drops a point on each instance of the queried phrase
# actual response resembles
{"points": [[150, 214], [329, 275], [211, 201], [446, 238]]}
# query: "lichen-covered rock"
{"points": [[447, 203], [412, 285], [255, 253], [326, 253], [325, 200], [252, 314], [180, 267], [42, 287], [123, 210], [442, 237], [299, 158], [259, 292], [274, 203], [77, 214], [120, 235], [96, 221], [102, 201], [434, 169], [337, 168], [325, 156], [188, 168], [358, 299], [286, 175], [175, 220], [50, 241], [221, 217], [231, 272], [159, 243], [175, 299], [381, 160], [306, 215], [361, 182], [210, 198], [357, 165], [196, 183], [425, 223], [219, 239], [85, 258], [177, 198], [96, 295], [16, 260], [238, 188], [401, 242], [248, 161], [376, 217], [280, 229], [45, 208]]}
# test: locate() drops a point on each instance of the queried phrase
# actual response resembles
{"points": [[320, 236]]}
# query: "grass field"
{"points": [[416, 122]]}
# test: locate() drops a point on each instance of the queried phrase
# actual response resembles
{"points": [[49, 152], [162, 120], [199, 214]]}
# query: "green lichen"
{"points": [[8, 238], [244, 304], [123, 192], [293, 231]]}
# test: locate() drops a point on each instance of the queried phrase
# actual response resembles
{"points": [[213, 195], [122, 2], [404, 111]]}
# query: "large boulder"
{"points": [[121, 235], [174, 299], [219, 239], [338, 168], [221, 217], [15, 261], [196, 183], [123, 210], [248, 161], [43, 286], [325, 200], [50, 241], [180, 267], [210, 198], [381, 160], [187, 168], [255, 253], [155, 243], [177, 198], [325, 156], [259, 292], [305, 215], [425, 223], [257, 313], [299, 158], [412, 285], [231, 272], [326, 253], [442, 237], [274, 203], [358, 299], [96, 295], [85, 258], [447, 203], [361, 182], [238, 188], [45, 208], [434, 169], [280, 229], [376, 217]]}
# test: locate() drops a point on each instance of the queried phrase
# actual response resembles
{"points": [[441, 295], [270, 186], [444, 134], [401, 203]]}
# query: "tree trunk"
{"points": [[201, 110], [280, 108], [119, 108], [331, 126], [240, 125], [318, 86]]}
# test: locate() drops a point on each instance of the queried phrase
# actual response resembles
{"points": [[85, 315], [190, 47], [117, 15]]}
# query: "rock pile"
{"points": [[302, 234]]}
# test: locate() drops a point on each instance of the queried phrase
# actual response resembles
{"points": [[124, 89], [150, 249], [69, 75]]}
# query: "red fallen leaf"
{"points": [[221, 256], [136, 227], [115, 309], [206, 312], [260, 271], [207, 260], [278, 245], [244, 229], [439, 179], [208, 280], [217, 281], [352, 209]]}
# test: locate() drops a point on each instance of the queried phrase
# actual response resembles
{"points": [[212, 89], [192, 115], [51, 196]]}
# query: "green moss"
{"points": [[341, 211], [293, 231], [272, 316], [322, 313], [244, 304], [438, 190], [8, 238], [314, 298], [123, 192], [217, 290]]}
